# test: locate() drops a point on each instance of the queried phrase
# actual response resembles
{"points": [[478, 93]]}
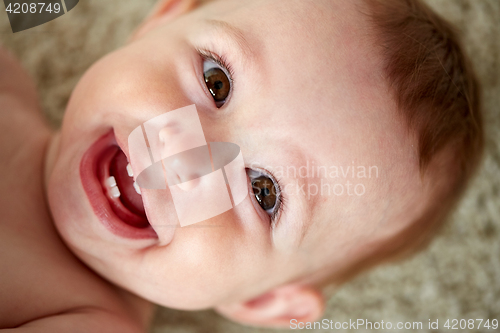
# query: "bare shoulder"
{"points": [[43, 284], [16, 82], [20, 114]]}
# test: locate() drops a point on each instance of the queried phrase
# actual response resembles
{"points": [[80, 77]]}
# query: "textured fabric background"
{"points": [[458, 276]]}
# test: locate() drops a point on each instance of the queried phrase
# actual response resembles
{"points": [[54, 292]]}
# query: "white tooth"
{"points": [[137, 189], [130, 171], [111, 181], [114, 192]]}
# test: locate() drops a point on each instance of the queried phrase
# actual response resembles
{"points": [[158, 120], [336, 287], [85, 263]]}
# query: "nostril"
{"points": [[181, 172], [191, 184], [166, 133]]}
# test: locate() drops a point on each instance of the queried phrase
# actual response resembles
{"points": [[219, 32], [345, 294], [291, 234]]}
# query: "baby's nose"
{"points": [[174, 153], [165, 144], [174, 132], [177, 139], [185, 169]]}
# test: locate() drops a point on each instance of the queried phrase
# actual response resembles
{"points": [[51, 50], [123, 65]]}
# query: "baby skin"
{"points": [[298, 81]]}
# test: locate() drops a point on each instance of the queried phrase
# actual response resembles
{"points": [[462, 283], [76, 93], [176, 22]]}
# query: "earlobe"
{"points": [[278, 307], [164, 11]]}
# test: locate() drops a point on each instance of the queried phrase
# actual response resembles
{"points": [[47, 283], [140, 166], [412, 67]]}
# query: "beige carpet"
{"points": [[457, 277]]}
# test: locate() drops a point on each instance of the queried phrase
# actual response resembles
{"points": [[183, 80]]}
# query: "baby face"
{"points": [[297, 85]]}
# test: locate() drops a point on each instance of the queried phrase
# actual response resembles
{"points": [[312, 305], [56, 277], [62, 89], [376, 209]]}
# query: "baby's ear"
{"points": [[280, 307], [164, 11]]}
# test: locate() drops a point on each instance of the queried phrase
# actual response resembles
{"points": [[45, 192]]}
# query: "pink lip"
{"points": [[92, 185]]}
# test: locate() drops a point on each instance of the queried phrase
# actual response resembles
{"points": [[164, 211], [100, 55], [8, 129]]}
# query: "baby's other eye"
{"points": [[266, 192], [217, 81]]}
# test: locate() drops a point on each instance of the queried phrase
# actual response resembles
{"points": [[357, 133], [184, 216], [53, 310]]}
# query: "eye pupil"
{"points": [[217, 83], [265, 192]]}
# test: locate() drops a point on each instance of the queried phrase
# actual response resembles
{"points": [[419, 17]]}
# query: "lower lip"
{"points": [[95, 193]]}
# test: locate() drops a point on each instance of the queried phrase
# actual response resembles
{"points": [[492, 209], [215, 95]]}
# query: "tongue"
{"points": [[129, 196]]}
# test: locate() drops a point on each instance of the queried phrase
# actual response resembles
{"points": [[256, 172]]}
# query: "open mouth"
{"points": [[118, 185], [115, 198]]}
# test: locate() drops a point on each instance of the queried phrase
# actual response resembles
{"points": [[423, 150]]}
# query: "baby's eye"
{"points": [[266, 192], [217, 81]]}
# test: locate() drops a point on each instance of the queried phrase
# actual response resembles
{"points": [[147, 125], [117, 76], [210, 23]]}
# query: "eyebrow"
{"points": [[310, 206], [302, 224], [234, 34]]}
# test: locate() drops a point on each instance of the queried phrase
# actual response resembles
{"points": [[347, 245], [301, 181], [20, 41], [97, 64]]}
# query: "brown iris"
{"points": [[217, 83], [265, 192]]}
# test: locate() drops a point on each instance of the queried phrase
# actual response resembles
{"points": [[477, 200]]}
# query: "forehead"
{"points": [[318, 24], [316, 54]]}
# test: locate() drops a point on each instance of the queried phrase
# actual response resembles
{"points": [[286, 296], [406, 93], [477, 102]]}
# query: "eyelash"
{"points": [[219, 60], [280, 201], [280, 204]]}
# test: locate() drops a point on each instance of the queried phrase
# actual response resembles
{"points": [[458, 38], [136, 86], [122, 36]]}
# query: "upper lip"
{"points": [[121, 144], [165, 235]]}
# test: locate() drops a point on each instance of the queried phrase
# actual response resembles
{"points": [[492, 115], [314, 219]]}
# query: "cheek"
{"points": [[95, 95], [111, 85], [206, 264], [69, 207]]}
